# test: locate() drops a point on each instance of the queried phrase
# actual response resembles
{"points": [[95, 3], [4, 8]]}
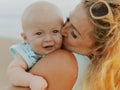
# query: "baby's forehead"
{"points": [[42, 8]]}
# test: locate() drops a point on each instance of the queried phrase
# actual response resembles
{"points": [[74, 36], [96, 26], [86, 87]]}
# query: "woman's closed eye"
{"points": [[73, 34]]}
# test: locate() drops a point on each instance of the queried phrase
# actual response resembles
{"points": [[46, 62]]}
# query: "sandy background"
{"points": [[5, 58]]}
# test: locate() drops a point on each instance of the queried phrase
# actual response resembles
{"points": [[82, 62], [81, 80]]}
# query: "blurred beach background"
{"points": [[10, 27]]}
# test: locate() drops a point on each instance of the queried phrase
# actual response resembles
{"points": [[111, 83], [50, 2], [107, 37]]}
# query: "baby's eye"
{"points": [[73, 34], [38, 33], [55, 31]]}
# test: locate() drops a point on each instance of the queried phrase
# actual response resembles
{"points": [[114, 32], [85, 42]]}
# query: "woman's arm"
{"points": [[58, 68]]}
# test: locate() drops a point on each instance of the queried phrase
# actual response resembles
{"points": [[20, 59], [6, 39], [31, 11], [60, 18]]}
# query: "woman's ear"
{"points": [[95, 53], [23, 35], [98, 50]]}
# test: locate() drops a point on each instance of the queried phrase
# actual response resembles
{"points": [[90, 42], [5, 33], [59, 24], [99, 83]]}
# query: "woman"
{"points": [[93, 30]]}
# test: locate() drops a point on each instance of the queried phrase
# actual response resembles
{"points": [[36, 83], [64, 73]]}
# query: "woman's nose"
{"points": [[48, 38], [64, 32]]}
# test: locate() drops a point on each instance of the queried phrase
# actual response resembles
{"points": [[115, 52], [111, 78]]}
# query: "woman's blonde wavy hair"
{"points": [[104, 73]]}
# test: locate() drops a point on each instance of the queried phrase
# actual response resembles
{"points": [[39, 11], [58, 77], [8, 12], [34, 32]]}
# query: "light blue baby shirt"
{"points": [[25, 50]]}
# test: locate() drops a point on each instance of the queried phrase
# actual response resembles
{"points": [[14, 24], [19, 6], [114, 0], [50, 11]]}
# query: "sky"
{"points": [[12, 10]]}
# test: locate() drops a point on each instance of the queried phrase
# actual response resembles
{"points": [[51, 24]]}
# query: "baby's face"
{"points": [[42, 23], [44, 36]]}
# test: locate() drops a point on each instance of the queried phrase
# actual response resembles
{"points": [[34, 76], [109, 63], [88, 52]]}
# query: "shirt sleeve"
{"points": [[25, 50]]}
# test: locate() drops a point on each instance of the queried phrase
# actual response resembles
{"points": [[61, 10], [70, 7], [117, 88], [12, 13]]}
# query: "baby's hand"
{"points": [[38, 83]]}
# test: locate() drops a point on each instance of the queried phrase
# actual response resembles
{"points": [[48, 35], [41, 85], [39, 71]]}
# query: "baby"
{"points": [[41, 22]]}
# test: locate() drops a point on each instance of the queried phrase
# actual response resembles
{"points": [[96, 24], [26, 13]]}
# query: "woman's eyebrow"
{"points": [[67, 20]]}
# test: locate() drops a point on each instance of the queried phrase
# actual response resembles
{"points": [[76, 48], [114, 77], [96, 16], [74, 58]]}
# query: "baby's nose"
{"points": [[48, 37]]}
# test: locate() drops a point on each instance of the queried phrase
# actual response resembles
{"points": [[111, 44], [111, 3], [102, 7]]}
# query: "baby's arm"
{"points": [[19, 77]]}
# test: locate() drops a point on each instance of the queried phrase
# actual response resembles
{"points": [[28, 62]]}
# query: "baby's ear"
{"points": [[23, 35]]}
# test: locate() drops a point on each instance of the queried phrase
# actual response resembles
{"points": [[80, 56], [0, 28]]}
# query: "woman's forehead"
{"points": [[80, 18]]}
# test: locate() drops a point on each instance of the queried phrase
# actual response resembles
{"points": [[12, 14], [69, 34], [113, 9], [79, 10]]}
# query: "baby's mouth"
{"points": [[48, 47]]}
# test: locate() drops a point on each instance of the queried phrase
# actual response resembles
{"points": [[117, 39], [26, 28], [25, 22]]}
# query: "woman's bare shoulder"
{"points": [[59, 68], [61, 55]]}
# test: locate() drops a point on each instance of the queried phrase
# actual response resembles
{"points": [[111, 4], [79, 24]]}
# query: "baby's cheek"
{"points": [[37, 46]]}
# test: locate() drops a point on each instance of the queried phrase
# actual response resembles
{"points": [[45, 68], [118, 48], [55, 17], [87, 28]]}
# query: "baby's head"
{"points": [[42, 22]]}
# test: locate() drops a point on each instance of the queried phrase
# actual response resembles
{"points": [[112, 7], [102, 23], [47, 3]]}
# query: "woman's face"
{"points": [[77, 32]]}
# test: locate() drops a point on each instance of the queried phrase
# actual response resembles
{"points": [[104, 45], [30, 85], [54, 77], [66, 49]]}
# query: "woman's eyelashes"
{"points": [[73, 34]]}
